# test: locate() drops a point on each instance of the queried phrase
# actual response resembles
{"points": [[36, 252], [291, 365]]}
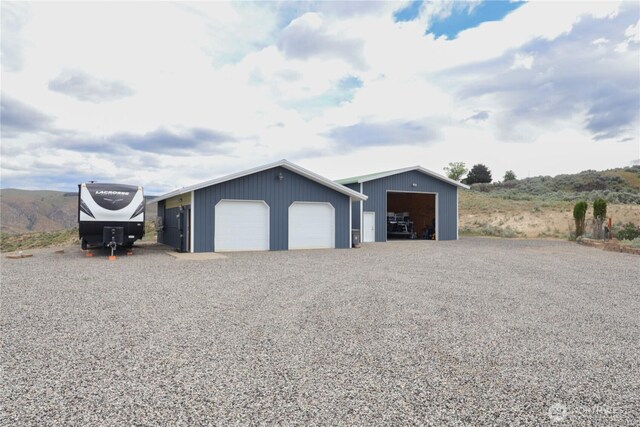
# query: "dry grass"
{"points": [[17, 242], [631, 178], [482, 214]]}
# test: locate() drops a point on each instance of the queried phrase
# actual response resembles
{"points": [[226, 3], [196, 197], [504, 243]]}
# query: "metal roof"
{"points": [[282, 163], [374, 176]]}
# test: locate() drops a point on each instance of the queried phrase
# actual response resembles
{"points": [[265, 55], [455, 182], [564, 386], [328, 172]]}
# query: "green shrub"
{"points": [[599, 214], [509, 176], [600, 209], [629, 232], [579, 215]]}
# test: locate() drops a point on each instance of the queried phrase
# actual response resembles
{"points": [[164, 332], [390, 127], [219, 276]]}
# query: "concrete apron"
{"points": [[199, 256]]}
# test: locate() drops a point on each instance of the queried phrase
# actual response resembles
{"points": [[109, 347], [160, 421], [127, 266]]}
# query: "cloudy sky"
{"points": [[170, 94]]}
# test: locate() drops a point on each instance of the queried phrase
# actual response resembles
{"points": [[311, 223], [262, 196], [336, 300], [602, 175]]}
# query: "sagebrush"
{"points": [[629, 232]]}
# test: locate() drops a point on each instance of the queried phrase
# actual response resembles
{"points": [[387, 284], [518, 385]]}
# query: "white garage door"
{"points": [[241, 225], [312, 225]]}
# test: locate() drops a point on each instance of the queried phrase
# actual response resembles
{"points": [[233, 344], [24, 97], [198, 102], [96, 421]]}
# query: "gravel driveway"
{"points": [[479, 331]]}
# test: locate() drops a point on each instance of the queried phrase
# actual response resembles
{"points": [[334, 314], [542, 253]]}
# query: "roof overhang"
{"points": [[425, 171], [282, 163]]}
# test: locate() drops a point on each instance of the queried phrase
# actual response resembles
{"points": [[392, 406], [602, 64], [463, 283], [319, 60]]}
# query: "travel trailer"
{"points": [[110, 215]]}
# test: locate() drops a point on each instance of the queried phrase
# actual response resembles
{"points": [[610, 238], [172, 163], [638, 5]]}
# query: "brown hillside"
{"points": [[25, 211], [483, 214]]}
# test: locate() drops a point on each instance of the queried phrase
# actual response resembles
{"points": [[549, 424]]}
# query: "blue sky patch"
{"points": [[465, 16], [350, 82], [408, 13]]}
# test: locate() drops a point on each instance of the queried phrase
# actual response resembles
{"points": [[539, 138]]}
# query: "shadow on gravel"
{"points": [[138, 249]]}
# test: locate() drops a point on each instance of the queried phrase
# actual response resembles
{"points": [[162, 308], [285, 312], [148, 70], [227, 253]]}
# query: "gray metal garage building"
{"points": [[278, 206], [430, 199]]}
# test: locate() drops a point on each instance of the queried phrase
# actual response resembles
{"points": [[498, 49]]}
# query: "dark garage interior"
{"points": [[411, 215]]}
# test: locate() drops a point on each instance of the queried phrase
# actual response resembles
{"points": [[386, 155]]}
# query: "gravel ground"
{"points": [[474, 332]]}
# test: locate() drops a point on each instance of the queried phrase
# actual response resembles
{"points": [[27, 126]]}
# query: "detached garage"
{"points": [[409, 203], [278, 206]]}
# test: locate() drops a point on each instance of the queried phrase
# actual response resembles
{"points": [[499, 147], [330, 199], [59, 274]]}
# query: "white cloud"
{"points": [[492, 39], [306, 37], [84, 87], [521, 60], [632, 34], [14, 17], [266, 74]]}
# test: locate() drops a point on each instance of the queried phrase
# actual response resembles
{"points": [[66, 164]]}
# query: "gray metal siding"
{"points": [[355, 207], [161, 214], [447, 201], [278, 195], [171, 225]]}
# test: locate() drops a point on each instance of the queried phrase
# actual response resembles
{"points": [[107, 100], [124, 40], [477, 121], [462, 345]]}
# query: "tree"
{"points": [[509, 176], [579, 214], [478, 174], [600, 209], [599, 213], [456, 170]]}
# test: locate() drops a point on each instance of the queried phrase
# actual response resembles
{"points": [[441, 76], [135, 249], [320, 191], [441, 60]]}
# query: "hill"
{"points": [[26, 211], [543, 206], [617, 186]]}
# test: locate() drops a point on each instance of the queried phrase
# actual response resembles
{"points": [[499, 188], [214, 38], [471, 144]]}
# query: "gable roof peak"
{"points": [[374, 176], [281, 163]]}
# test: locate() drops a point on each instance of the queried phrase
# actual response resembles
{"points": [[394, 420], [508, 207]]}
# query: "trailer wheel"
{"points": [[84, 245]]}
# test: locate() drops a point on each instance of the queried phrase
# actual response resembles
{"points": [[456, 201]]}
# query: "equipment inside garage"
{"points": [[411, 216]]}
